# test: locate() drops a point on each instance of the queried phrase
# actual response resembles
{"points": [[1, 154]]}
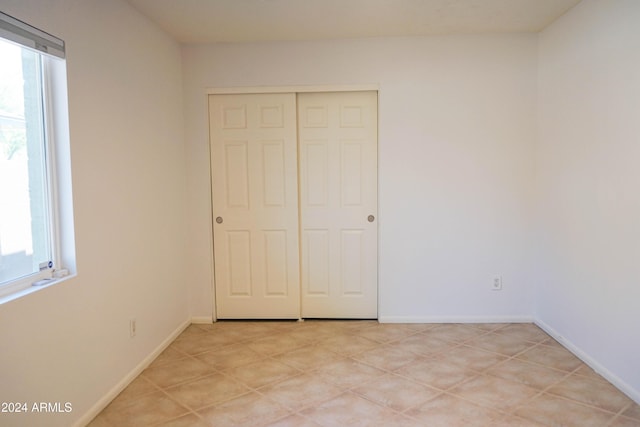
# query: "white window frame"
{"points": [[57, 156]]}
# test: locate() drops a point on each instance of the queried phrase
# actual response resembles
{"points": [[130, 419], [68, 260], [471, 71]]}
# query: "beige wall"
{"points": [[70, 342]]}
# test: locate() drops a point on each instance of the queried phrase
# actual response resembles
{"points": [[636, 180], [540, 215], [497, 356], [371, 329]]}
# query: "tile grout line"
{"points": [[351, 389], [363, 331], [439, 390], [620, 413], [546, 389]]}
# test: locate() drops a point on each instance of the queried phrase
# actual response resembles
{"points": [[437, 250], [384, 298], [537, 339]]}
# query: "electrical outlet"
{"points": [[132, 328], [497, 283]]}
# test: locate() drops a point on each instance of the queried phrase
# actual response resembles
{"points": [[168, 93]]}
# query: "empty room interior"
{"points": [[496, 190]]}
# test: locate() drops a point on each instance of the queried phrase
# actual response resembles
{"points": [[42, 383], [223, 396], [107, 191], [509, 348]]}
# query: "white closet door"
{"points": [[255, 205], [337, 136]]}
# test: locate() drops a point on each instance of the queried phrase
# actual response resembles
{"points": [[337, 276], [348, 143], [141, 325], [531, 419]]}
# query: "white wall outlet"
{"points": [[497, 283], [132, 328]]}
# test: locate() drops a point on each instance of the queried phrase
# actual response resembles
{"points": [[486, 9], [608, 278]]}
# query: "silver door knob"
{"points": [[371, 218], [219, 220]]}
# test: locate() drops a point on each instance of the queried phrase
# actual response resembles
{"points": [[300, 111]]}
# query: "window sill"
{"points": [[32, 289]]}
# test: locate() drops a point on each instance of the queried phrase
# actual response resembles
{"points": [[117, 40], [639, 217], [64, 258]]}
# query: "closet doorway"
{"points": [[294, 191]]}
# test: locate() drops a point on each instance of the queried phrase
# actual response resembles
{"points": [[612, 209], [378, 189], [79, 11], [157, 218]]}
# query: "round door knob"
{"points": [[219, 220], [371, 218]]}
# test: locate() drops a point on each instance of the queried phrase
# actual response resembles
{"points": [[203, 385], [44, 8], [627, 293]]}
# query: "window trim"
{"points": [[55, 114], [30, 37]]}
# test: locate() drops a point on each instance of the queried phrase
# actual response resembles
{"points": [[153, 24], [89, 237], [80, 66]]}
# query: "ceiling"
{"points": [[215, 21]]}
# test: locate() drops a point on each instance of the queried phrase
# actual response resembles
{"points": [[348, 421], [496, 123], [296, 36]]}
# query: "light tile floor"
{"points": [[362, 373]]}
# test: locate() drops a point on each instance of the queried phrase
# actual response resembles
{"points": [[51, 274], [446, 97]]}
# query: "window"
{"points": [[30, 248]]}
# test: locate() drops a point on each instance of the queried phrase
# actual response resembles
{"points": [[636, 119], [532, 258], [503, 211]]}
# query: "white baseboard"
{"points": [[632, 393], [106, 399], [202, 320], [455, 319]]}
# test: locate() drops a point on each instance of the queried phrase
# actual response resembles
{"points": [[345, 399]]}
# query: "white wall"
{"points": [[457, 128], [587, 185], [70, 342]]}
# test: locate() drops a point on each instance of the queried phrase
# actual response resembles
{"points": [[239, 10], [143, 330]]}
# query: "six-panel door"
{"points": [[337, 147], [255, 205]]}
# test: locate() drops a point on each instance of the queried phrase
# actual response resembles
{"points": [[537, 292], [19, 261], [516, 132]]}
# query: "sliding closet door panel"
{"points": [[337, 137], [255, 205]]}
